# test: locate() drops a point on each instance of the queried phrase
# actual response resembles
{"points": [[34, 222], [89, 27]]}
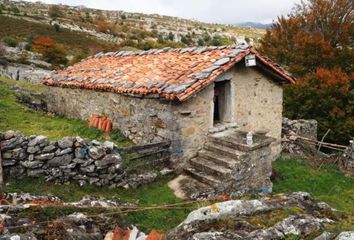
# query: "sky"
{"points": [[212, 11]]}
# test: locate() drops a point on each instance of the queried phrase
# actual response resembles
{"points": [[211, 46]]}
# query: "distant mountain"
{"points": [[254, 25]]}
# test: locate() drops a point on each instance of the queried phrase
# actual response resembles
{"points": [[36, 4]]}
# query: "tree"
{"points": [[171, 36], [328, 97], [318, 33], [315, 42], [55, 12]]}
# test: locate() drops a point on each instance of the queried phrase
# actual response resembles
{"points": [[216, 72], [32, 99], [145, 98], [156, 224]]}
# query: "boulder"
{"points": [[39, 140], [33, 149], [19, 154], [59, 161], [32, 164], [49, 148], [9, 134], [88, 169], [63, 152], [66, 142], [96, 152]]}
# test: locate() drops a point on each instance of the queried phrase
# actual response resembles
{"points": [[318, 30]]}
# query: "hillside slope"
{"points": [[92, 30]]}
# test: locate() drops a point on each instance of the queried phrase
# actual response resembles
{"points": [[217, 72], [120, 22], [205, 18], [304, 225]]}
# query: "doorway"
{"points": [[222, 102]]}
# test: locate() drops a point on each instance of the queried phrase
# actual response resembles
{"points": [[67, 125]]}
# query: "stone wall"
{"points": [[291, 129], [258, 103], [141, 120], [69, 159]]}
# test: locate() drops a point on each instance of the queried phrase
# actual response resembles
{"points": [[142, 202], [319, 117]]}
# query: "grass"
{"points": [[15, 116]]}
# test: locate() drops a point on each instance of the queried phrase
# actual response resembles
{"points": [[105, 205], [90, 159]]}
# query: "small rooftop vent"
{"points": [[250, 60]]}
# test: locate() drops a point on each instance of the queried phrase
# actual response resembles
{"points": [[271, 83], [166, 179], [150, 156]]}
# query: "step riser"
{"points": [[198, 164], [216, 161]]}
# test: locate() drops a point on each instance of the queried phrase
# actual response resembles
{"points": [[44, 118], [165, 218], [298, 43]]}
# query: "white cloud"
{"points": [[220, 11]]}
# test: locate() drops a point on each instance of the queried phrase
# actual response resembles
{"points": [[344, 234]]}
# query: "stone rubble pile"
{"points": [[69, 159]]}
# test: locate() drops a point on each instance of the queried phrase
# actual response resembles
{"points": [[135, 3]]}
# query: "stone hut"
{"points": [[181, 95]]}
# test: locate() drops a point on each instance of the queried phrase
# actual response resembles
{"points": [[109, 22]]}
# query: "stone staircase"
{"points": [[215, 162]]}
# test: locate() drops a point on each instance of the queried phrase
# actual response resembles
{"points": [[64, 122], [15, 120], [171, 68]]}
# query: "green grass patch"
{"points": [[327, 183], [154, 194], [16, 116]]}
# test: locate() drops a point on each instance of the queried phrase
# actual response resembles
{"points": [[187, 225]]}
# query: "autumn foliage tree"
{"points": [[51, 51], [315, 42]]}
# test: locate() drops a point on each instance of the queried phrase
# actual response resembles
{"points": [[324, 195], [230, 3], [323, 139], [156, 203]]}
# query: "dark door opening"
{"points": [[222, 95]]}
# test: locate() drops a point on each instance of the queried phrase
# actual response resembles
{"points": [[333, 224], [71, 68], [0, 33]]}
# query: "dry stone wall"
{"points": [[69, 159]]}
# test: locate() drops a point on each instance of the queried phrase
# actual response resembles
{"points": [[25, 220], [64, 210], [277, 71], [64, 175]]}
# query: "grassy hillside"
{"points": [[72, 40]]}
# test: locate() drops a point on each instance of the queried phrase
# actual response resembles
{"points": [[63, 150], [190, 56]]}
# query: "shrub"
{"points": [[51, 52], [103, 26], [55, 55], [56, 27], [10, 41], [77, 58]]}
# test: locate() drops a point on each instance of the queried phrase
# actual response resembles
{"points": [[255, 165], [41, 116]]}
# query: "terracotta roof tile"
{"points": [[174, 74]]}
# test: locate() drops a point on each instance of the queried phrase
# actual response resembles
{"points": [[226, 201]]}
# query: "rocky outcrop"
{"points": [[69, 159], [23, 72], [236, 219]]}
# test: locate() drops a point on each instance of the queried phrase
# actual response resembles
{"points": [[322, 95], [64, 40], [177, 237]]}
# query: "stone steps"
{"points": [[202, 176], [209, 167], [217, 159]]}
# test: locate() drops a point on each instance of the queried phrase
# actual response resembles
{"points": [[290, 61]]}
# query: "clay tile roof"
{"points": [[173, 74]]}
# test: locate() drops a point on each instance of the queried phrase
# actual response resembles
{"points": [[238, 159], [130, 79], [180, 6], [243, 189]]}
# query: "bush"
{"points": [[77, 58], [55, 12], [55, 55], [51, 52], [10, 41], [56, 27]]}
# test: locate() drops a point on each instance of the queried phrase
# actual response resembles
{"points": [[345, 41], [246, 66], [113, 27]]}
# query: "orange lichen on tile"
{"points": [[174, 74]]}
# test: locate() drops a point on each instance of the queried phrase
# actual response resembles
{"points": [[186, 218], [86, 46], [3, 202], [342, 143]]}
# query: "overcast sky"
{"points": [[214, 11]]}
